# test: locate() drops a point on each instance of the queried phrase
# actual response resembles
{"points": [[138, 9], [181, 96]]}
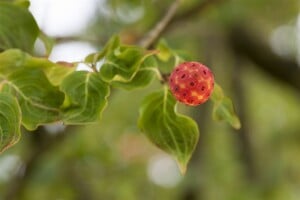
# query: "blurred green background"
{"points": [[113, 160]]}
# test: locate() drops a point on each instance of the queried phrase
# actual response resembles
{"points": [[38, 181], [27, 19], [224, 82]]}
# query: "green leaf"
{"points": [[15, 59], [123, 63], [39, 100], [86, 97], [10, 121], [146, 73], [174, 133], [57, 72], [218, 93], [18, 29], [110, 46], [23, 3], [48, 42], [169, 57], [11, 60], [223, 108], [165, 53], [124, 66]]}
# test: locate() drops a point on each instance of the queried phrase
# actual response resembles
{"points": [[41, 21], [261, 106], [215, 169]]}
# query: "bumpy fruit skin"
{"points": [[191, 83]]}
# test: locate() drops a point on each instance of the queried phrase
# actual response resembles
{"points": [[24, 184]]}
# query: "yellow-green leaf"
{"points": [[15, 59], [223, 108]]}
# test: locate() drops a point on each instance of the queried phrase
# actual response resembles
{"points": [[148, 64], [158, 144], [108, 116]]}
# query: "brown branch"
{"points": [[65, 39], [170, 19], [193, 11], [161, 27], [153, 34], [247, 44]]}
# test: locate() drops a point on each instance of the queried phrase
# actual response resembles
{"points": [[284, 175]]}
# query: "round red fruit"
{"points": [[191, 83]]}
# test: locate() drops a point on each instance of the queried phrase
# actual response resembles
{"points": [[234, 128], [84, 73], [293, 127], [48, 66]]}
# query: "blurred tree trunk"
{"points": [[243, 135], [245, 43]]}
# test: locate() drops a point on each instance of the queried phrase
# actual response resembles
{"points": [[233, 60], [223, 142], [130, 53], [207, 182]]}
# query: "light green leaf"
{"points": [[11, 60], [223, 108], [86, 97], [23, 3], [15, 59], [218, 93], [168, 57], [18, 29], [56, 72], [165, 53], [39, 100], [174, 133], [10, 121], [148, 70]]}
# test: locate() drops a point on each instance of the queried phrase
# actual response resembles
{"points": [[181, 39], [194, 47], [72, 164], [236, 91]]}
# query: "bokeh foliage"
{"points": [[109, 160]]}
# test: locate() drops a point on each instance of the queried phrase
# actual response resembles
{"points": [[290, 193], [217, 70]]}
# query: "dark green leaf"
{"points": [[172, 132], [39, 101], [86, 97], [223, 108], [18, 29], [10, 121]]}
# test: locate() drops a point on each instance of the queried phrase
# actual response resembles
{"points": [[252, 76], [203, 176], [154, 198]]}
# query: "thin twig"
{"points": [[154, 33], [171, 18], [194, 10], [65, 39]]}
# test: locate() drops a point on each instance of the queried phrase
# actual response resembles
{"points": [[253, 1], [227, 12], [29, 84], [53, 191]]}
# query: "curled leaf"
{"points": [[142, 78], [86, 97], [10, 121], [15, 59], [39, 100]]}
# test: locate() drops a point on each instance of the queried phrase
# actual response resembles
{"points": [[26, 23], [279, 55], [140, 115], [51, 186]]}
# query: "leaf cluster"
{"points": [[35, 91]]}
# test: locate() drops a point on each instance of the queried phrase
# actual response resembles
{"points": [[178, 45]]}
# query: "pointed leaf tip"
{"points": [[223, 109], [182, 167], [174, 133]]}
